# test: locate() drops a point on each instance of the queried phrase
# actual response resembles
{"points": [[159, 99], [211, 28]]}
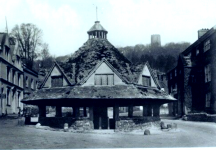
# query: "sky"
{"points": [[129, 22]]}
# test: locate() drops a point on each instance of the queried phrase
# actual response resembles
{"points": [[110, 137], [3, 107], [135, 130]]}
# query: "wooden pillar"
{"points": [[108, 123], [42, 111], [100, 123], [156, 110], [145, 112], [76, 112], [91, 114], [149, 110], [58, 111], [84, 112], [130, 111], [116, 113]]}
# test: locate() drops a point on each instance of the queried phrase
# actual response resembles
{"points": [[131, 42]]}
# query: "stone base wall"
{"points": [[58, 122], [82, 125], [200, 117], [136, 123]]}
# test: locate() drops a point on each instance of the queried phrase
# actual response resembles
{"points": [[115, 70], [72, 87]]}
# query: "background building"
{"points": [[193, 80], [97, 77], [13, 75]]}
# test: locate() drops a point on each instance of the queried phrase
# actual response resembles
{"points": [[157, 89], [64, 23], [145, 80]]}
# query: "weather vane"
{"points": [[96, 14], [6, 24]]}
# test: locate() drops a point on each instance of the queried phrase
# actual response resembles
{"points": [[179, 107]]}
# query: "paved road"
{"points": [[189, 134]]}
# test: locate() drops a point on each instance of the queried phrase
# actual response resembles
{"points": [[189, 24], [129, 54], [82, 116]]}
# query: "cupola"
{"points": [[97, 31]]}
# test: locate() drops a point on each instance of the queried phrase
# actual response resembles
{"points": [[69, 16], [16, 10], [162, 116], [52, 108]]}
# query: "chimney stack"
{"points": [[201, 32]]}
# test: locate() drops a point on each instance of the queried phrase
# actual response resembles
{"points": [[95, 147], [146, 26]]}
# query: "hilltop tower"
{"points": [[155, 40]]}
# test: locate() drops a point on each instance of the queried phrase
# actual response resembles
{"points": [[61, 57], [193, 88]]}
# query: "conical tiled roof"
{"points": [[91, 53], [97, 27]]}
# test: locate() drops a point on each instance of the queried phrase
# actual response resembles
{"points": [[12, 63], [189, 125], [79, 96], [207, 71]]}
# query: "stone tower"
{"points": [[155, 40]]}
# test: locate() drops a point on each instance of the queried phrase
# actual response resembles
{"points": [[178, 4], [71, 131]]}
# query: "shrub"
{"points": [[30, 111]]}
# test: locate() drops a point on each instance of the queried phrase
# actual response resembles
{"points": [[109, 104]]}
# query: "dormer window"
{"points": [[57, 81], [146, 80], [104, 79]]}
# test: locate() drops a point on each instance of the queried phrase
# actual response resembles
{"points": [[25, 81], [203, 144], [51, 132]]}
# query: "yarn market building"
{"points": [[96, 77]]}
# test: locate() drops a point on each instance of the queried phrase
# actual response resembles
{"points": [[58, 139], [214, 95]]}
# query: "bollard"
{"points": [[147, 132], [66, 127]]}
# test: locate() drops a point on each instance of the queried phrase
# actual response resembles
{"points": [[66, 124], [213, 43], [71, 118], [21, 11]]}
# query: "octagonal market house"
{"points": [[97, 77]]}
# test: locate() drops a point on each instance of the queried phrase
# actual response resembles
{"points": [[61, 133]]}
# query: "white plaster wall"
{"points": [[103, 69], [55, 72], [146, 72]]}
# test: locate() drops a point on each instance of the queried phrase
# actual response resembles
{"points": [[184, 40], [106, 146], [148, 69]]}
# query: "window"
{"points": [[18, 60], [57, 81], [1, 101], [8, 74], [175, 72], [8, 96], [197, 52], [32, 84], [18, 99], [146, 80], [18, 79], [13, 76], [26, 81], [208, 99], [208, 73], [206, 45], [189, 55], [170, 75], [104, 79], [176, 87], [171, 88]]}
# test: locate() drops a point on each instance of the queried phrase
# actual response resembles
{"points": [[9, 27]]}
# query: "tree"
{"points": [[29, 38], [162, 58], [46, 60], [45, 51]]}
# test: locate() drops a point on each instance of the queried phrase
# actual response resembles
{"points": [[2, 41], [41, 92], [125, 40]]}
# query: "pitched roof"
{"points": [[98, 65], [152, 72], [48, 75], [129, 91], [91, 53], [97, 27]]}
